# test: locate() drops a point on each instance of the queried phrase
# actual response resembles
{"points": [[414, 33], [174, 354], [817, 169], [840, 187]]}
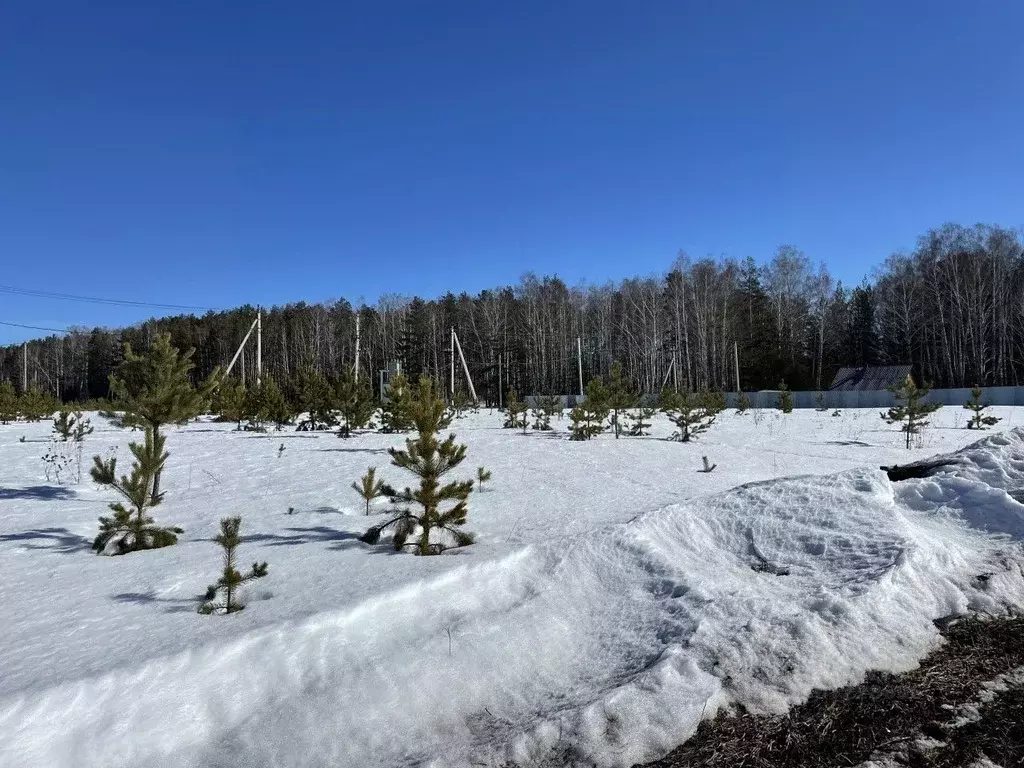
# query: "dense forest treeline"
{"points": [[953, 308]]}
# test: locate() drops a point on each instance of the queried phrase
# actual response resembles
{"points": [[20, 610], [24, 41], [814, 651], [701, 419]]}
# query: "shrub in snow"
{"points": [[229, 402], [429, 459], [130, 528], [396, 414], [515, 412], [154, 389], [369, 487], [742, 403], [688, 411], [976, 406], [230, 580], [277, 409], [785, 398], [482, 476], [620, 397], [909, 407], [8, 403], [587, 419], [64, 455], [640, 421], [316, 400], [355, 402]]}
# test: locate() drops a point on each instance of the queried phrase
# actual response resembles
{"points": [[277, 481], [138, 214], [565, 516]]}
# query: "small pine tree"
{"points": [[515, 412], [8, 403], [396, 413], [482, 476], [976, 406], [36, 405], [909, 407], [71, 426], [229, 401], [715, 401], [688, 411], [742, 403], [708, 466], [461, 402], [785, 398], [230, 579], [369, 487], [131, 529], [355, 404], [430, 459], [819, 402], [587, 419], [256, 407], [316, 400], [154, 390], [619, 397], [640, 421], [278, 411], [541, 420]]}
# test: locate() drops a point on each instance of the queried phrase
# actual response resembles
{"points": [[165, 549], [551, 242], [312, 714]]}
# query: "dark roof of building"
{"points": [[870, 378]]}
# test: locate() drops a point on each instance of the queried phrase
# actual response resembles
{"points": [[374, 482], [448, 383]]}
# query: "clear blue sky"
{"points": [[214, 153]]}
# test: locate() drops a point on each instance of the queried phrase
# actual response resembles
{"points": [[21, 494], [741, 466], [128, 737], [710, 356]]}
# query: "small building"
{"points": [[869, 378]]}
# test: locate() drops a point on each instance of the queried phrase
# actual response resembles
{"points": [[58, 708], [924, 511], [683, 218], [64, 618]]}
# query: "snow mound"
{"points": [[603, 648]]}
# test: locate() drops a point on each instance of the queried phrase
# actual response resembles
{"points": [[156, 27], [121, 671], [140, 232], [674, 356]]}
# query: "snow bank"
{"points": [[605, 647]]}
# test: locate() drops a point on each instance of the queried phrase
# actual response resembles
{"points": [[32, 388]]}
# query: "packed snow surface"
{"points": [[615, 595]]}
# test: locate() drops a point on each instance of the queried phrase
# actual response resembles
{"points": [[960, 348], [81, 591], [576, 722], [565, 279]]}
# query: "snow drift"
{"points": [[605, 647]]}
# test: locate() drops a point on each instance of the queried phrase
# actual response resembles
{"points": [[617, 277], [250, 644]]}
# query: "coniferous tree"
{"points": [[316, 400], [909, 407], [688, 411], [8, 403], [587, 418], [742, 403], [429, 459], [785, 398], [154, 390], [255, 406], [640, 421], [396, 412], [36, 405], [515, 412], [482, 476], [977, 407], [229, 401], [369, 487], [131, 528], [715, 401], [278, 411], [71, 426], [231, 579], [619, 397], [355, 404]]}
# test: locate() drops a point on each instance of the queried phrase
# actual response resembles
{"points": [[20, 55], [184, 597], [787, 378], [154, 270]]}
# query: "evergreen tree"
{"points": [[396, 413], [131, 528], [976, 406], [619, 397], [316, 400], [688, 411], [36, 405], [8, 403], [278, 411], [414, 342], [229, 401], [909, 407], [715, 401], [71, 426], [429, 459], [785, 398], [369, 487], [515, 412], [482, 476], [640, 421], [230, 580], [819, 402], [587, 418], [742, 403], [461, 403], [355, 404], [154, 390]]}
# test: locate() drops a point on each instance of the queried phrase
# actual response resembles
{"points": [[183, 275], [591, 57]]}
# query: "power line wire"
{"points": [[34, 327], [9, 289]]}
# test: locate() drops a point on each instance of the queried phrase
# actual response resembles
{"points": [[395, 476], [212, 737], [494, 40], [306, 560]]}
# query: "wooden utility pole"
{"points": [[259, 346], [500, 405], [736, 358], [452, 379], [24, 366]]}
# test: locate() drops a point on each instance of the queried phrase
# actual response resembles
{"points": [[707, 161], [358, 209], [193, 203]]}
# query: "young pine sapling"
{"points": [[482, 476], [708, 466], [785, 398], [978, 419], [909, 407], [369, 487], [230, 579]]}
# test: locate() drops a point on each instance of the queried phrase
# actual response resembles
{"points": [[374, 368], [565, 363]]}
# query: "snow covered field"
{"points": [[614, 596]]}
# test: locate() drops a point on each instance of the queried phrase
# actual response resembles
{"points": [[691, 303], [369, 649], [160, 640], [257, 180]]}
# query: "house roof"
{"points": [[869, 378]]}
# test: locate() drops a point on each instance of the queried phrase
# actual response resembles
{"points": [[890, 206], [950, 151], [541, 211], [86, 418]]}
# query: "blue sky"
{"points": [[218, 153]]}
